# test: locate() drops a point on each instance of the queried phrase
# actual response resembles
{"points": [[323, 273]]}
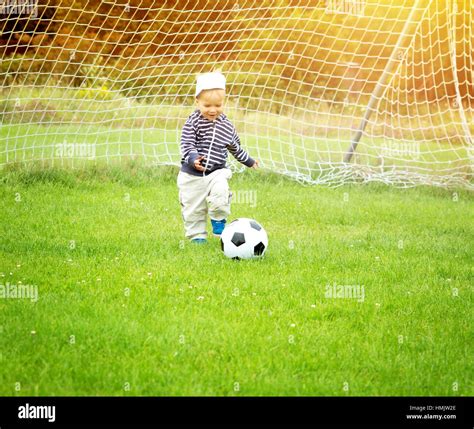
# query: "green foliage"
{"points": [[298, 50], [22, 69]]}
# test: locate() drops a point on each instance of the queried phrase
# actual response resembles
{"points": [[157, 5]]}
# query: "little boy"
{"points": [[207, 136]]}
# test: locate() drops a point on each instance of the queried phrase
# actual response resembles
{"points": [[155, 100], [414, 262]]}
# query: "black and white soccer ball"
{"points": [[244, 238]]}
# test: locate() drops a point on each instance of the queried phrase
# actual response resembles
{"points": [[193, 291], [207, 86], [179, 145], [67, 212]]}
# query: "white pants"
{"points": [[200, 195]]}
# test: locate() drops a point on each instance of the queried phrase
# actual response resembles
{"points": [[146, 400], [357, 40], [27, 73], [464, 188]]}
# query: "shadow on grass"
{"points": [[134, 172]]}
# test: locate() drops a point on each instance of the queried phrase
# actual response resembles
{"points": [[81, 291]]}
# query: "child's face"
{"points": [[211, 103]]}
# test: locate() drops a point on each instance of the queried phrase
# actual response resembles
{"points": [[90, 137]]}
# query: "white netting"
{"points": [[327, 92]]}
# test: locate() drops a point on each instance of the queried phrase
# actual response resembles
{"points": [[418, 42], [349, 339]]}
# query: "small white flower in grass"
{"points": [[11, 274], [190, 286], [313, 305], [293, 325], [33, 332], [448, 280], [18, 265], [377, 258], [2, 275], [150, 274], [200, 298], [254, 294], [99, 279], [19, 281]]}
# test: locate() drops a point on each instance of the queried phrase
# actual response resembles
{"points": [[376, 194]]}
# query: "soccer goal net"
{"points": [[325, 91]]}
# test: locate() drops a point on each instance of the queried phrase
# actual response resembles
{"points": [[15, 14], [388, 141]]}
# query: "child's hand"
{"points": [[197, 164], [256, 164]]}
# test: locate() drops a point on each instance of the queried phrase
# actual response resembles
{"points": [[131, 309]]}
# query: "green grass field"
{"points": [[314, 159], [46, 123], [127, 307]]}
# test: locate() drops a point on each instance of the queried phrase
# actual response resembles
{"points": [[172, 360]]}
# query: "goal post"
{"points": [[406, 35], [324, 91]]}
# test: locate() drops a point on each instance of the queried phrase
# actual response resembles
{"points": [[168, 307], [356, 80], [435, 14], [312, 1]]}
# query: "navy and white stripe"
{"points": [[211, 139]]}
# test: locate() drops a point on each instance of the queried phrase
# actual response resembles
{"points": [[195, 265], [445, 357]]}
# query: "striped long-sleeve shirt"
{"points": [[211, 139]]}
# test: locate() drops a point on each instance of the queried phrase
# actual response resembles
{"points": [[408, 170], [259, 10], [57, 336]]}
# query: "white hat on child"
{"points": [[214, 80]]}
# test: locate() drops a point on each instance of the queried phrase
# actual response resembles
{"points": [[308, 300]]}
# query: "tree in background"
{"points": [[292, 51]]}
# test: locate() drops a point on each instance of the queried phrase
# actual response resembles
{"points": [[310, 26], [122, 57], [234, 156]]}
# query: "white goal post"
{"points": [[324, 91]]}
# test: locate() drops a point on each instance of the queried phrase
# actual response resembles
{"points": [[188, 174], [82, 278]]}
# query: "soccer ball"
{"points": [[244, 238]]}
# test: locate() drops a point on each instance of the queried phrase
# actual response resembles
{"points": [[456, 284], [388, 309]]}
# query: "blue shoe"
{"points": [[218, 226], [199, 240]]}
